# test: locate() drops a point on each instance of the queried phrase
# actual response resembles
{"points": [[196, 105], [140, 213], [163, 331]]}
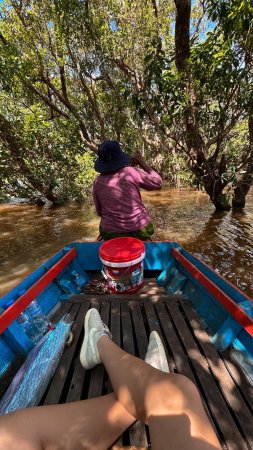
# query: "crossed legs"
{"points": [[169, 403]]}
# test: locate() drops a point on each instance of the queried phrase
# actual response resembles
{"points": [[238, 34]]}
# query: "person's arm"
{"points": [[147, 178]]}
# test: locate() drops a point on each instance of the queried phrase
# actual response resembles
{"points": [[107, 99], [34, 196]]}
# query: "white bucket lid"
{"points": [[123, 264]]}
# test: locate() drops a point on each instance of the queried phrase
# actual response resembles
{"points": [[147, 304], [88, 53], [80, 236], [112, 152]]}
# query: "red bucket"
{"points": [[123, 264]]}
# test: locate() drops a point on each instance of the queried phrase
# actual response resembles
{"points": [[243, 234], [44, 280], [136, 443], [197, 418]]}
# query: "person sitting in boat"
{"points": [[169, 403], [116, 192]]}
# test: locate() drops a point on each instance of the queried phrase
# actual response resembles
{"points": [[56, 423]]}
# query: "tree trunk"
{"points": [[239, 197], [206, 170], [182, 33], [214, 187], [221, 201], [242, 188]]}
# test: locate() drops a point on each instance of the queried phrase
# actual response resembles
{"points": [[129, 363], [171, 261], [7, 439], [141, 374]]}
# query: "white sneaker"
{"points": [[156, 355], [94, 328]]}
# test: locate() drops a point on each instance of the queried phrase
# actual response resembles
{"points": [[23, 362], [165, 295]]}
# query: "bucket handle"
{"points": [[104, 274]]}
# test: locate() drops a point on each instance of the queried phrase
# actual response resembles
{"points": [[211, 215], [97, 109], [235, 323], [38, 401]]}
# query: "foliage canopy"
{"points": [[171, 79]]}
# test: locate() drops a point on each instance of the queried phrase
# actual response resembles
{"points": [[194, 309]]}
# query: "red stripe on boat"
{"points": [[14, 310], [231, 306]]}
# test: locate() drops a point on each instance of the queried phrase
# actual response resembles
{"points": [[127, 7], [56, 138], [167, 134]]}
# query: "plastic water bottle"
{"points": [[79, 280], [26, 324], [176, 283], [39, 321]]}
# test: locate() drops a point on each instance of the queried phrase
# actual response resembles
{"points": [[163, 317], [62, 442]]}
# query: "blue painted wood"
{"points": [[68, 285], [88, 256], [13, 342], [230, 329], [49, 297], [244, 340], [226, 334], [213, 313], [164, 277], [157, 254], [205, 306], [17, 339], [192, 293], [247, 305], [244, 358]]}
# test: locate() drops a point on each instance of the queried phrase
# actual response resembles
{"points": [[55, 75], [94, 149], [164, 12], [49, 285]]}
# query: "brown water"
{"points": [[29, 234]]}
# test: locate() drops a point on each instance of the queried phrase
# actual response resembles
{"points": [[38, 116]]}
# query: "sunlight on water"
{"points": [[29, 235]]}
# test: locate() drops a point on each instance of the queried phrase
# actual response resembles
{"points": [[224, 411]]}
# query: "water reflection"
{"points": [[29, 235]]}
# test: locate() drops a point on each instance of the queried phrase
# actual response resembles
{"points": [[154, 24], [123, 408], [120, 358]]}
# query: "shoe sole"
{"points": [[164, 362], [85, 341]]}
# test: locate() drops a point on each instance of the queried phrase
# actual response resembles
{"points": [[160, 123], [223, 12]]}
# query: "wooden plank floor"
{"points": [[226, 393]]}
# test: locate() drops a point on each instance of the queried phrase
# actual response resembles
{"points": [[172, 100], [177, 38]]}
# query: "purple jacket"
{"points": [[118, 201]]}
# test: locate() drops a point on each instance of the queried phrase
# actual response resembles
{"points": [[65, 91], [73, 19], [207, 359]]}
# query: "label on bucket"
{"points": [[125, 280]]}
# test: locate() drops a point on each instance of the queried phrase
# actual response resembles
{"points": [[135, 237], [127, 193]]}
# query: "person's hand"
{"points": [[138, 159]]}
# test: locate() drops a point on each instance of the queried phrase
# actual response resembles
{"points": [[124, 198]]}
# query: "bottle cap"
{"points": [[21, 292], [9, 303]]}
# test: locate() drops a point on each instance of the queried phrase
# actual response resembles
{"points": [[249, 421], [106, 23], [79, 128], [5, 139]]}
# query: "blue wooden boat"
{"points": [[205, 321]]}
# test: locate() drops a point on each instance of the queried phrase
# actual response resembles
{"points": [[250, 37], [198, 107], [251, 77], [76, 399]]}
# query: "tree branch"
{"points": [[3, 39], [93, 104], [225, 132], [63, 81], [48, 102], [155, 8], [92, 99], [131, 75], [66, 102]]}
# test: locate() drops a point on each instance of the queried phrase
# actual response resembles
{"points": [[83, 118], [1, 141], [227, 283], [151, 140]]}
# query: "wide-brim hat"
{"points": [[111, 157]]}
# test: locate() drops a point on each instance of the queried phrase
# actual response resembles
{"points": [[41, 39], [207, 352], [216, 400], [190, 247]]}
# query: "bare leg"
{"points": [[169, 403], [88, 424]]}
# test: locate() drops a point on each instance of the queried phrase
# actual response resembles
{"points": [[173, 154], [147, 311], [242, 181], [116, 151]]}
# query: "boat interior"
{"points": [[225, 387], [226, 392]]}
